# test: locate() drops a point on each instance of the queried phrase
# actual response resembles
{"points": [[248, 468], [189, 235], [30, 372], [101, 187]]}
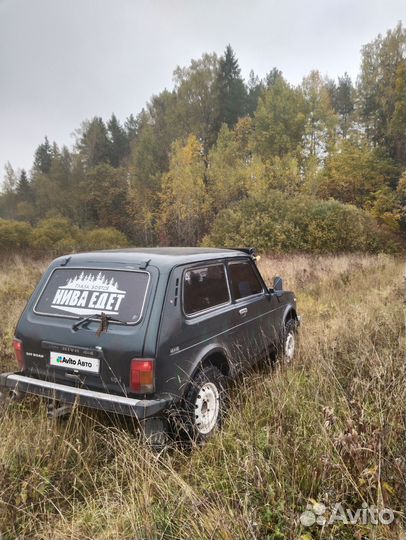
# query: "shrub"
{"points": [[103, 238], [278, 223], [14, 235], [55, 235]]}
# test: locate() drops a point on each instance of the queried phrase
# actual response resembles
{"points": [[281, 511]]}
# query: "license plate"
{"points": [[71, 361]]}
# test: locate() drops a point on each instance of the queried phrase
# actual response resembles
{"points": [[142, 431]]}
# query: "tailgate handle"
{"points": [[243, 311]]}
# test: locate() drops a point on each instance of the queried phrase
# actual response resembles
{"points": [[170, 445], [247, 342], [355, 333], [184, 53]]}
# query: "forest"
{"points": [[219, 161]]}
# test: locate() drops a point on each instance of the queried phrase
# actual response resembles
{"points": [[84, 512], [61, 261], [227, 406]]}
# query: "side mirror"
{"points": [[277, 285]]}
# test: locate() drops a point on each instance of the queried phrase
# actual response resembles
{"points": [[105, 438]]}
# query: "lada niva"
{"points": [[145, 332]]}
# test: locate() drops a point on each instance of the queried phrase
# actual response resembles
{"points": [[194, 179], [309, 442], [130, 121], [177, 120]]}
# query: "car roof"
{"points": [[165, 257]]}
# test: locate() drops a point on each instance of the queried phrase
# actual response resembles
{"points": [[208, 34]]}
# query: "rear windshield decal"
{"points": [[81, 293], [87, 292]]}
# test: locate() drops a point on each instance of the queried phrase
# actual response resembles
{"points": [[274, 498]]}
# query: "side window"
{"points": [[244, 281], [204, 288]]}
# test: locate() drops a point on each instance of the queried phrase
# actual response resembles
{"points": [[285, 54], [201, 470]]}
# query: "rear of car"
{"points": [[83, 336]]}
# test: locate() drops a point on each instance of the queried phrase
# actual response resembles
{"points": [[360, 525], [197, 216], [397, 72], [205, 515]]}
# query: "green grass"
{"points": [[329, 428]]}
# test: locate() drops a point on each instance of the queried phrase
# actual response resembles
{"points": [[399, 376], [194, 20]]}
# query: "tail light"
{"points": [[19, 353], [142, 375]]}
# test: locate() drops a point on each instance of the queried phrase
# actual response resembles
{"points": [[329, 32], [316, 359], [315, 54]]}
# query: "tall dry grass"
{"points": [[329, 428]]}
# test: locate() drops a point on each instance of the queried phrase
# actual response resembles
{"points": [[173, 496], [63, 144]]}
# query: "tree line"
{"points": [[217, 160]]}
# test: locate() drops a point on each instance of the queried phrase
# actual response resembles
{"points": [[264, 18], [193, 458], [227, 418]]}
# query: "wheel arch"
{"points": [[290, 314], [219, 360], [216, 356]]}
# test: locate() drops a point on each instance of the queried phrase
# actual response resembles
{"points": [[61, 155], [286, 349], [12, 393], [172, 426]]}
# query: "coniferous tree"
{"points": [[94, 145], [232, 94], [273, 76], [119, 141], [55, 152], [23, 189], [131, 127], [43, 157], [104, 194]]}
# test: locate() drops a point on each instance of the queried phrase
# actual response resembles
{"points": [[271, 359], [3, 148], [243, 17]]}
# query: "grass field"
{"points": [[328, 429]]}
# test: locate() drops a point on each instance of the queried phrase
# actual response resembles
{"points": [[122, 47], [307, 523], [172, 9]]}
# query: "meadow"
{"points": [[327, 429]]}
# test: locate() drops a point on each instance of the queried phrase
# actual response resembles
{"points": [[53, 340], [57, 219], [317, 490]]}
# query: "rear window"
{"points": [[72, 292], [244, 281], [204, 288]]}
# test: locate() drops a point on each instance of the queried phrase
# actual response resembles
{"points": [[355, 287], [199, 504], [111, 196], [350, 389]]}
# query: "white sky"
{"points": [[62, 61]]}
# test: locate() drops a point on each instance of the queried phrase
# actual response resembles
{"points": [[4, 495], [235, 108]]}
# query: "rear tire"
{"points": [[205, 403]]}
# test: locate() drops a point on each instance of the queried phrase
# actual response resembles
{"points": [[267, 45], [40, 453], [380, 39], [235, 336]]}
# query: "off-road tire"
{"points": [[289, 341], [205, 403]]}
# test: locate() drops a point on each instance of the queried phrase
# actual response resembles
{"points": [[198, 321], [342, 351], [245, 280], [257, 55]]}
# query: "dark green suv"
{"points": [[146, 332]]}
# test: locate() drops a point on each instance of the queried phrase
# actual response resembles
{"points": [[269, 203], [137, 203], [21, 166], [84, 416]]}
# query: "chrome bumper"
{"points": [[139, 408]]}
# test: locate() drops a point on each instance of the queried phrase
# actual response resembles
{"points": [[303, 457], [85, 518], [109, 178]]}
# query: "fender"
{"points": [[210, 350], [289, 313]]}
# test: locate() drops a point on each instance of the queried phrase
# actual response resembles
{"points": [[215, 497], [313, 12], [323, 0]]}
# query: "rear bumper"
{"points": [[138, 408]]}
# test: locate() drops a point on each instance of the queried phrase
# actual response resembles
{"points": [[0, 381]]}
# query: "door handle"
{"points": [[243, 311]]}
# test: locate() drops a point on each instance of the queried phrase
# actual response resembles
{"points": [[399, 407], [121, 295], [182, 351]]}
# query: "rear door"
{"points": [[87, 354]]}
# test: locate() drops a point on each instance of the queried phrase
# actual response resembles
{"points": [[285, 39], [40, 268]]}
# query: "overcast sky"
{"points": [[62, 61]]}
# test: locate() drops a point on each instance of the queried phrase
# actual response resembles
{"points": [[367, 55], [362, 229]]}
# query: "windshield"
{"points": [[77, 293]]}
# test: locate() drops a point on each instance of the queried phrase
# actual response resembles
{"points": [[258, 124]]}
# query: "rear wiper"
{"points": [[104, 322]]}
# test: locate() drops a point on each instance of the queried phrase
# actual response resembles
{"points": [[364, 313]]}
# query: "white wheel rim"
{"points": [[207, 406], [290, 345]]}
